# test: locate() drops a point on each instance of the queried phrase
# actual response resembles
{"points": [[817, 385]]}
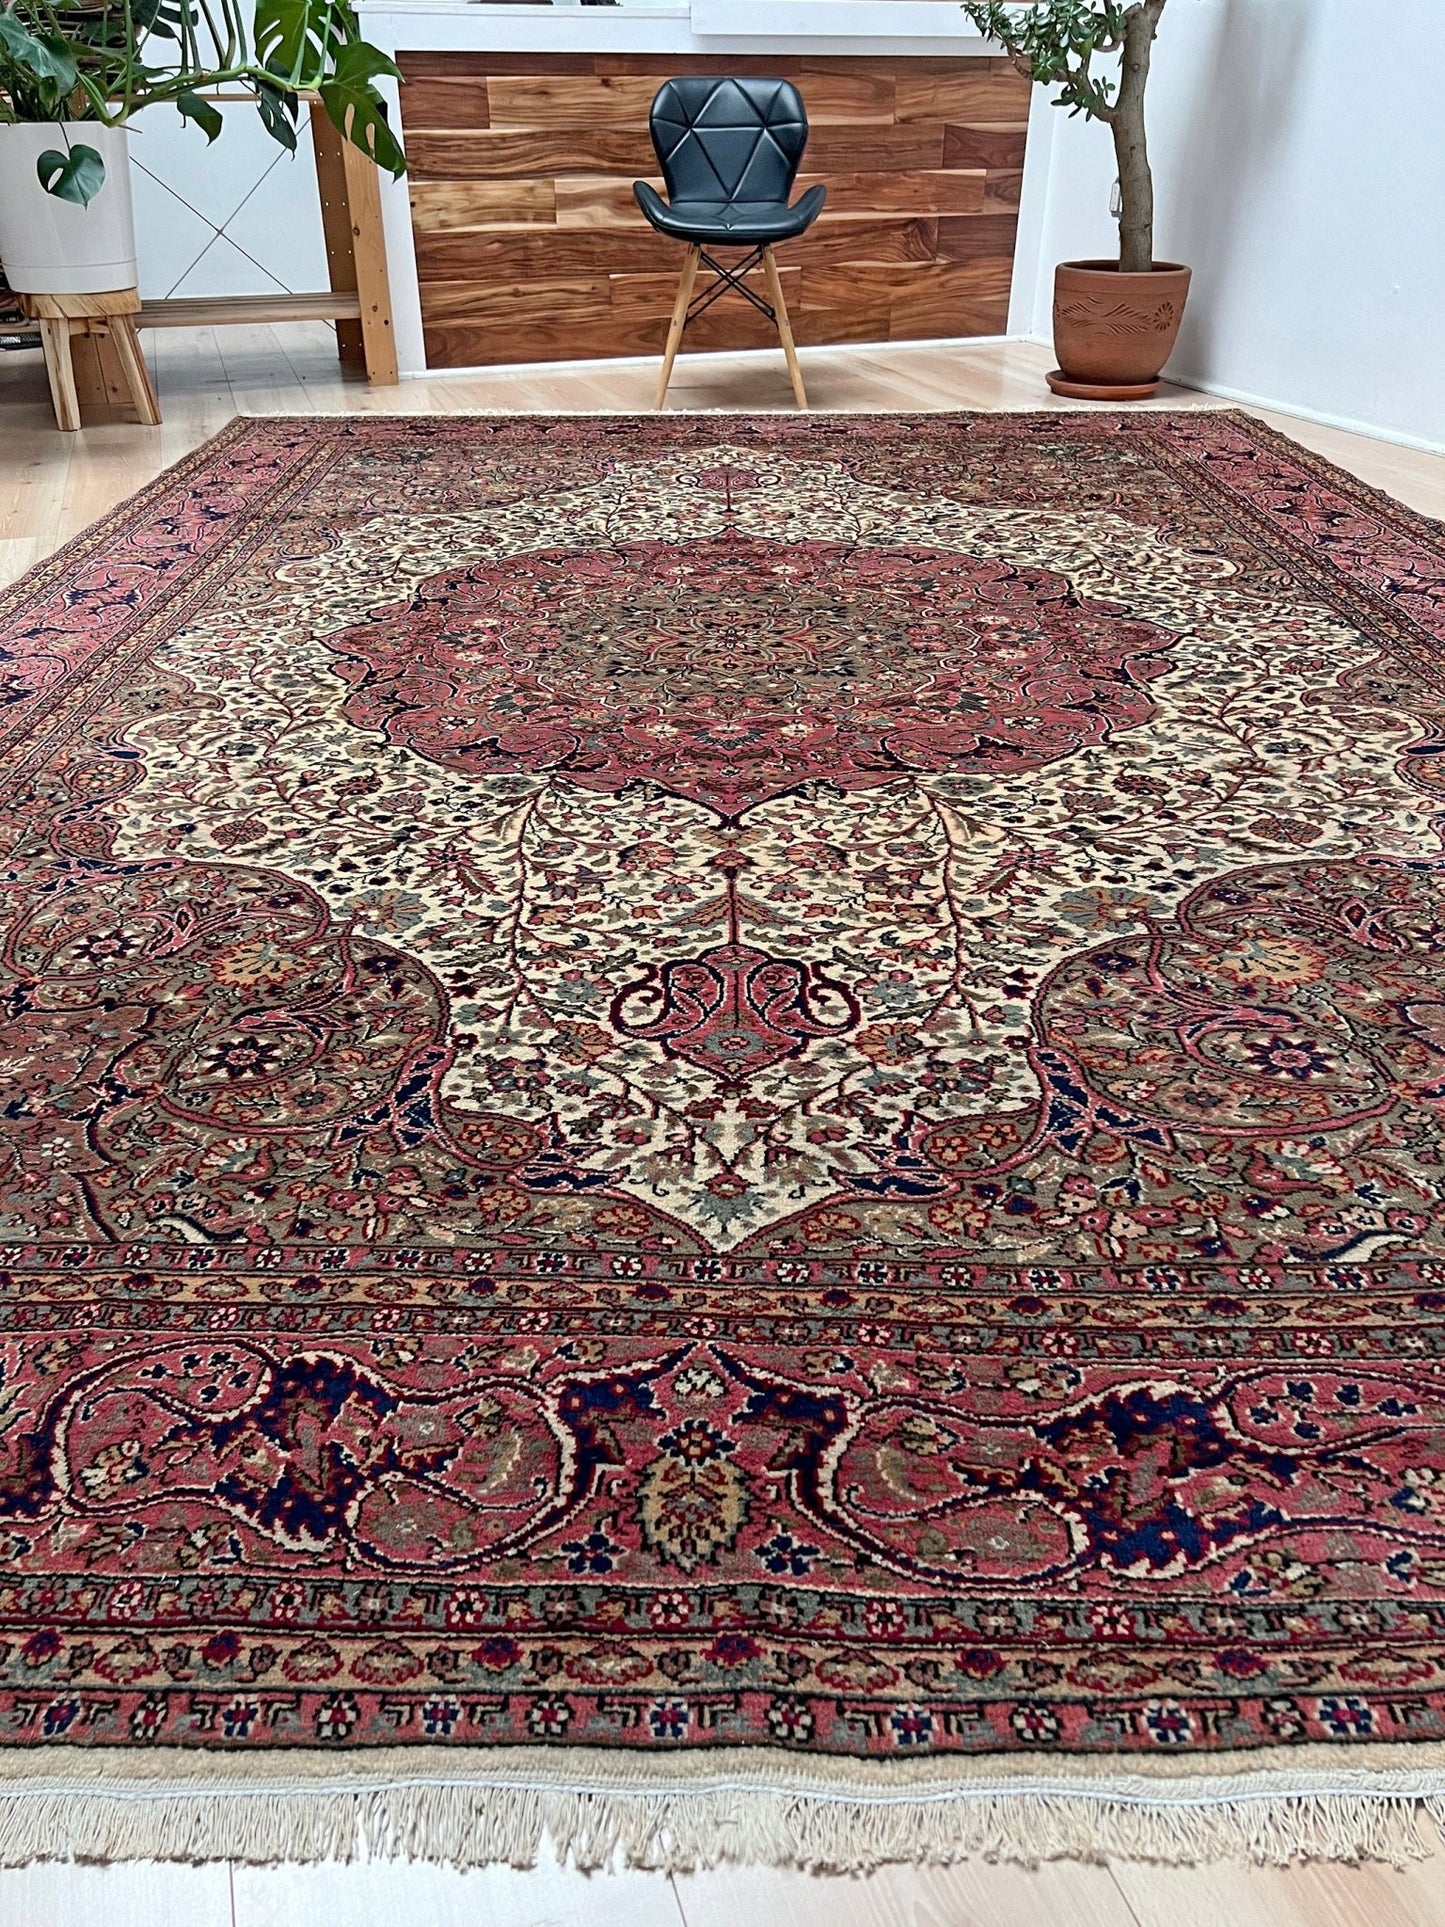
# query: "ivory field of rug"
{"points": [[727, 1136]]}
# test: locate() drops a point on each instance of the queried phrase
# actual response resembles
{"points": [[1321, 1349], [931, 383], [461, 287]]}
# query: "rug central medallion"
{"points": [[732, 668]]}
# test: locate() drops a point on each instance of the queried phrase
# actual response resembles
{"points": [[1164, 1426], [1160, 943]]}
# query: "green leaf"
{"points": [[204, 113], [357, 110], [77, 176], [44, 60], [278, 114]]}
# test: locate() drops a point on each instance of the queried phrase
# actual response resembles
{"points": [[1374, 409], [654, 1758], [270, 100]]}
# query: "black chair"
{"points": [[729, 153]]}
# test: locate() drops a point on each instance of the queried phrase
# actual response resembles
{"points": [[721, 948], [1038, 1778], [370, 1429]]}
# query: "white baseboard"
{"points": [[1325, 420]]}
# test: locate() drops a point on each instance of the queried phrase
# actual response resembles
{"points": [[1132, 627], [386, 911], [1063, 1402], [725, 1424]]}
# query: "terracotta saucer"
{"points": [[1101, 390]]}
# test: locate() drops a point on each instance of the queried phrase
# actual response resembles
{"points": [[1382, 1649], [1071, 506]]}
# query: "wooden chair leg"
{"points": [[133, 366], [55, 340], [679, 321], [785, 332]]}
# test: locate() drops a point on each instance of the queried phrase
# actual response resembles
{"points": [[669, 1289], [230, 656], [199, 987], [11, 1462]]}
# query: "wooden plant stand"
{"points": [[111, 369]]}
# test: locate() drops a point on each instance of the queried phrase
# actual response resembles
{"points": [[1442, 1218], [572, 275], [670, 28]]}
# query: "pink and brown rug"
{"points": [[724, 1124]]}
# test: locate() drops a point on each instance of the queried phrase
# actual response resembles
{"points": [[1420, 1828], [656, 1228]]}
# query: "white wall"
{"points": [[1299, 156], [261, 199]]}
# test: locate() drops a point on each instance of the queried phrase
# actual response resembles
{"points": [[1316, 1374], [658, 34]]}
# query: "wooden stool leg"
{"points": [[133, 366], [785, 332], [55, 340], [679, 321]]}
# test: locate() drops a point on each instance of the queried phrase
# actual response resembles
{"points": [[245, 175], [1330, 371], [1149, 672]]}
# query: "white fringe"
{"points": [[646, 1814]]}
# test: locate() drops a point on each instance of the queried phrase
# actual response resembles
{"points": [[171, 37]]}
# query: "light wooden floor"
{"points": [[51, 485]]}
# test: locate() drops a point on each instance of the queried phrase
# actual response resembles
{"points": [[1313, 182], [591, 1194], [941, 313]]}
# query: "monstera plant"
{"points": [[74, 72], [1115, 322]]}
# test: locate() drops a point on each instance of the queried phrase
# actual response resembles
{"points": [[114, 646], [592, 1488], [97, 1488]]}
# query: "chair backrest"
{"points": [[721, 139]]}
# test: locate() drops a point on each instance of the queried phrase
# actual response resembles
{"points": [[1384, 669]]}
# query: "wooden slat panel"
{"points": [[438, 205], [464, 346], [597, 200], [1003, 190], [868, 149], [968, 98], [575, 299], [453, 66], [530, 245], [571, 100], [986, 147], [621, 100], [661, 66], [490, 156], [485, 252], [210, 310], [910, 191], [436, 102], [834, 287], [964, 237]]}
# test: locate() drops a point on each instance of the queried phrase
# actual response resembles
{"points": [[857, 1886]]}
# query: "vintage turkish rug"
{"points": [[761, 1094]]}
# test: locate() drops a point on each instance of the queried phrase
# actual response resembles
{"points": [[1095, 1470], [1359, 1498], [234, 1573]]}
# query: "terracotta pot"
{"points": [[1114, 332]]}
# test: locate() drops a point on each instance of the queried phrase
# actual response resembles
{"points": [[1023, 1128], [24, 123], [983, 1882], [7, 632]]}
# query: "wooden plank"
{"points": [[599, 200], [336, 231], [968, 98], [482, 253], [964, 237], [910, 191], [837, 287], [517, 302], [1003, 190], [466, 346], [437, 206], [222, 310], [490, 155], [416, 65], [100, 382], [893, 65], [445, 101], [368, 247], [864, 147], [937, 313], [540, 101], [869, 149], [989, 147]]}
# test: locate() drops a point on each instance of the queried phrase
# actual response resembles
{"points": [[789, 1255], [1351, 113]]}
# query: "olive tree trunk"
{"points": [[1136, 182]]}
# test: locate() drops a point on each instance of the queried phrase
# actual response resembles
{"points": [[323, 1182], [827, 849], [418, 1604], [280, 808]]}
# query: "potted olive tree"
{"points": [[73, 72], [1115, 322]]}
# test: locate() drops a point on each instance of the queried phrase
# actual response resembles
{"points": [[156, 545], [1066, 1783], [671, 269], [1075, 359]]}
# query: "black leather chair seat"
{"points": [[730, 223]]}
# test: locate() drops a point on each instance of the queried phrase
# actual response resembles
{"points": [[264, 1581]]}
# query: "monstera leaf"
{"points": [[357, 110], [75, 176]]}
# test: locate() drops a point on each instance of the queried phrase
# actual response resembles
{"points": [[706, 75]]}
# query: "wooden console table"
{"points": [[110, 370]]}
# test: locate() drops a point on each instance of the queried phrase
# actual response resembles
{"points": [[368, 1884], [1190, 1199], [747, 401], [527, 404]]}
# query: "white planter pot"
{"points": [[57, 247]]}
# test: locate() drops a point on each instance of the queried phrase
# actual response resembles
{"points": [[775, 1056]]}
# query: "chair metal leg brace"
{"points": [[687, 308], [730, 278]]}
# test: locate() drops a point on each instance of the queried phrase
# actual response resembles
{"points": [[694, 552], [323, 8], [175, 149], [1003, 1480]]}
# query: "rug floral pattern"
{"points": [[714, 1081]]}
